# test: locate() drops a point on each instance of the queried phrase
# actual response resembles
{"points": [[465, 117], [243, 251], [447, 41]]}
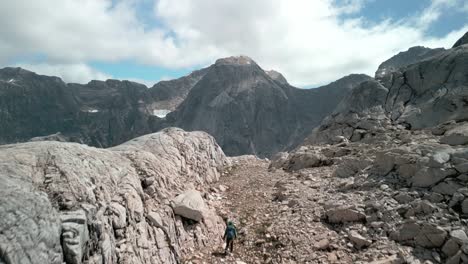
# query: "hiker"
{"points": [[229, 235]]}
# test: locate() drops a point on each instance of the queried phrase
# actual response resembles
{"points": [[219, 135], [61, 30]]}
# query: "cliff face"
{"points": [[421, 95], [247, 111], [33, 105]]}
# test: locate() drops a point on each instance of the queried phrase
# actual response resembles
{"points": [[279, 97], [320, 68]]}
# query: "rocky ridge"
{"points": [[66, 202]]}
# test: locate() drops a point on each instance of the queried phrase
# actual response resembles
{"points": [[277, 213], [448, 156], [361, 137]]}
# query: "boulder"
{"points": [[349, 166], [456, 136], [430, 236], [279, 160], [464, 206], [189, 205], [450, 248], [439, 159], [407, 231], [344, 214], [306, 159], [447, 187], [322, 244], [358, 240], [459, 236], [426, 177]]}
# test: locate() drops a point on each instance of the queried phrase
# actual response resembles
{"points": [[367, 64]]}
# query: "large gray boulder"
{"points": [[456, 136], [110, 204], [344, 214], [190, 205]]}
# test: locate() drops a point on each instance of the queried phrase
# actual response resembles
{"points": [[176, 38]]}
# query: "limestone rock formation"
{"points": [[189, 205], [66, 202]]}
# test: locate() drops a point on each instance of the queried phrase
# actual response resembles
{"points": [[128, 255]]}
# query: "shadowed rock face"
{"points": [[33, 105], [462, 41], [405, 58], [168, 95], [249, 112], [66, 201], [421, 95]]}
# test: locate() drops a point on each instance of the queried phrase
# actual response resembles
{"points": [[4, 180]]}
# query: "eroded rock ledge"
{"points": [[66, 202]]}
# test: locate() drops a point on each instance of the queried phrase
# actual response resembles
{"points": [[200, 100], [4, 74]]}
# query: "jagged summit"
{"points": [[236, 60], [462, 41]]}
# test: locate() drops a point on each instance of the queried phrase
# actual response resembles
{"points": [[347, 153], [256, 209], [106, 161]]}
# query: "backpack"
{"points": [[230, 232]]}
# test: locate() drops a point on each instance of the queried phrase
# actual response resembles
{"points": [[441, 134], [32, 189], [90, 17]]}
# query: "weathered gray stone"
{"points": [[465, 206], [439, 159], [447, 187], [430, 236], [456, 136], [75, 235], [403, 198], [344, 214], [427, 177], [43, 180], [459, 236], [450, 248], [189, 205], [407, 231], [358, 240]]}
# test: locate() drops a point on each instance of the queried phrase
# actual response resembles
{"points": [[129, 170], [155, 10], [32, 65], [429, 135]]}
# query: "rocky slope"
{"points": [[421, 95], [134, 203], [247, 111], [168, 95], [394, 157], [405, 58]]}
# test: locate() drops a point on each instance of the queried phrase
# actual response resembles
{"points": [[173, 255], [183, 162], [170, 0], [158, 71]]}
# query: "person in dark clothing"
{"points": [[229, 235]]}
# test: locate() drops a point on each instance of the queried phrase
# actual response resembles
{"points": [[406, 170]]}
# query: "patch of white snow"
{"points": [[161, 113]]}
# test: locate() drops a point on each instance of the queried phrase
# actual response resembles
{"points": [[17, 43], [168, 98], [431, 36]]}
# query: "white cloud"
{"points": [[71, 73], [306, 40]]}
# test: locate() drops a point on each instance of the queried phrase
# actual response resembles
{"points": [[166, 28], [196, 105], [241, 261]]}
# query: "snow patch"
{"points": [[92, 110], [161, 113]]}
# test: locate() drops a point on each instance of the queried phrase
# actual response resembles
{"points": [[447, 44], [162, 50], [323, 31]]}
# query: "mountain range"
{"points": [[247, 109]]}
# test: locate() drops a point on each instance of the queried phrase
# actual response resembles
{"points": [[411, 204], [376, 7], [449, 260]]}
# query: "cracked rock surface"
{"points": [[66, 202]]}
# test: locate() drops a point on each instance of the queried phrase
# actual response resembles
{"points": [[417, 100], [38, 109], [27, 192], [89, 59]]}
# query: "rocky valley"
{"points": [[363, 170]]}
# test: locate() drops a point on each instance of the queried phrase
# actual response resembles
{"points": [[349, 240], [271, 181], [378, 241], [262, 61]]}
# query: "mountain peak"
{"points": [[235, 60], [276, 76], [462, 41]]}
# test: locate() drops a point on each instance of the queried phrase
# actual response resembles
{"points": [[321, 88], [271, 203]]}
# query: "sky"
{"points": [[311, 42]]}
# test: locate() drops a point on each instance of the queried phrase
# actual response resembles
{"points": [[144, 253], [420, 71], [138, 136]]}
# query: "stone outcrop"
{"points": [[66, 202]]}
